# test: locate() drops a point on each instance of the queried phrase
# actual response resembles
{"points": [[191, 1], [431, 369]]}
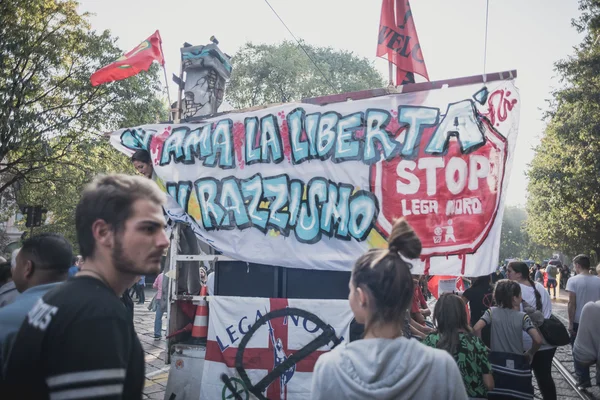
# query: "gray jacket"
{"points": [[8, 293], [387, 369]]}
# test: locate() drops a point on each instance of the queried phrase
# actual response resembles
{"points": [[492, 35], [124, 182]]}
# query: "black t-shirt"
{"points": [[480, 299], [77, 342]]}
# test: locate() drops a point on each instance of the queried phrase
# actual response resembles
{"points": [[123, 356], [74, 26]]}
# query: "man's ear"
{"points": [[103, 233], [28, 269]]}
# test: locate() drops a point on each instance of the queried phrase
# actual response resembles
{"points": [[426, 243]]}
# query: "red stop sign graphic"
{"points": [[451, 201]]}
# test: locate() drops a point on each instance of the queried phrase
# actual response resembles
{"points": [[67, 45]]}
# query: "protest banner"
{"points": [[315, 186], [274, 342]]}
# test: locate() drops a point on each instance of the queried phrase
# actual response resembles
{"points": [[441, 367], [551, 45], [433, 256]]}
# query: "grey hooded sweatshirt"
{"points": [[386, 369]]}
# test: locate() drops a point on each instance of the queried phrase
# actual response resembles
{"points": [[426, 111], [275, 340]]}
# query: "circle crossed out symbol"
{"points": [[327, 336], [240, 390]]}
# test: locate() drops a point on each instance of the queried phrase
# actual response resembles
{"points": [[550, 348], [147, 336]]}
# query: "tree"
{"points": [[515, 241], [264, 74], [564, 178], [48, 108], [63, 184], [51, 119]]}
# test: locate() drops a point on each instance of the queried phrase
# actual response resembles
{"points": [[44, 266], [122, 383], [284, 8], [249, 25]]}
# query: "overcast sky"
{"points": [[526, 35]]}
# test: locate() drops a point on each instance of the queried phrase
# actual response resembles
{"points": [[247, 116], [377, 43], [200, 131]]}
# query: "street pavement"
{"points": [[564, 355], [157, 371]]}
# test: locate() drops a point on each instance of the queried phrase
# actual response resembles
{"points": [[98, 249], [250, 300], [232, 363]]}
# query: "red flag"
{"points": [[138, 59], [398, 41], [434, 283]]}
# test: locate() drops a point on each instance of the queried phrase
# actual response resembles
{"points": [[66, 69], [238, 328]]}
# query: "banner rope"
{"points": [[487, 16], [302, 47]]}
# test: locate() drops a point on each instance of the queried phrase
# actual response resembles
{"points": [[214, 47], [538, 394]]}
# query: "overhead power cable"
{"points": [[301, 46], [487, 17]]}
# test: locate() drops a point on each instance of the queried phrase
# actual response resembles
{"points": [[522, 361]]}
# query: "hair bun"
{"points": [[404, 240]]}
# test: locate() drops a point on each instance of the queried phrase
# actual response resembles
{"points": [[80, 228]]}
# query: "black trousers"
{"points": [[141, 295], [542, 369]]}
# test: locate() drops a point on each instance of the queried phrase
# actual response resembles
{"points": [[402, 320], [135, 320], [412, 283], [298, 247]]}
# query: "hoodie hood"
{"points": [[390, 369]]}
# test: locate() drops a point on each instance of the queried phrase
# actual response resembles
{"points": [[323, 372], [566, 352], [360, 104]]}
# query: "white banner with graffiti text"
{"points": [[314, 187], [230, 319]]}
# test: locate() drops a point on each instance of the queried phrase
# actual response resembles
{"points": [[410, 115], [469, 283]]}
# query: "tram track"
{"points": [[566, 374], [571, 380]]}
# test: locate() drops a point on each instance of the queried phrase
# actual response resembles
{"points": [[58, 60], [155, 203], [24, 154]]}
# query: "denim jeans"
{"points": [[582, 371], [158, 319]]}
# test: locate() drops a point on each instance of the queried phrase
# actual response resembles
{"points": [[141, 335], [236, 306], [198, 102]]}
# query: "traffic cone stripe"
{"points": [[200, 329], [201, 321]]}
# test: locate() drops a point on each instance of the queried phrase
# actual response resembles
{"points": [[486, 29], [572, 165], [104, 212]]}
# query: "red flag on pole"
{"points": [[398, 41], [138, 59]]}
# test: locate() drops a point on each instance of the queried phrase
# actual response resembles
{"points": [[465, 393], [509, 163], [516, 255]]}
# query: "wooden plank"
{"points": [[411, 87]]}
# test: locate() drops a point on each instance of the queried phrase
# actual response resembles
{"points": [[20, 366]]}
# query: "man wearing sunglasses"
{"points": [[41, 265]]}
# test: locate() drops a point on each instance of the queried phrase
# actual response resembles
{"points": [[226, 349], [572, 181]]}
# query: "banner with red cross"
{"points": [[231, 319]]}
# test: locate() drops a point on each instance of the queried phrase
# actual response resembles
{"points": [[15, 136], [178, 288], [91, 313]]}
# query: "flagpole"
{"points": [[391, 73], [167, 87], [179, 90], [165, 73]]}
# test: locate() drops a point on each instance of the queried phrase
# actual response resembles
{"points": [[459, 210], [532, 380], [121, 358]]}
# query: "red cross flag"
{"points": [[278, 339]]}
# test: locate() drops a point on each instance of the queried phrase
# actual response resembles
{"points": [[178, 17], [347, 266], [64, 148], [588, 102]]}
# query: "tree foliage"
{"points": [[515, 241], [48, 106], [51, 119], [564, 178], [264, 74]]}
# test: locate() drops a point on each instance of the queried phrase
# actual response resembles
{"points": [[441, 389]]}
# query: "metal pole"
{"points": [[179, 92], [391, 73], [167, 88]]}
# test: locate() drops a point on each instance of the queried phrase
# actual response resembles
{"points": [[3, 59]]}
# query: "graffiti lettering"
{"points": [[331, 135], [457, 173], [499, 105], [328, 208], [460, 121], [137, 138], [214, 145], [358, 136]]}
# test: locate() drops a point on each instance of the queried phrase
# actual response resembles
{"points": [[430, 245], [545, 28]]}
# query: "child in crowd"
{"points": [[511, 366], [453, 334]]}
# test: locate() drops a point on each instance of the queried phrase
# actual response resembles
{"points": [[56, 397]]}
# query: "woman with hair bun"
{"points": [[385, 364]]}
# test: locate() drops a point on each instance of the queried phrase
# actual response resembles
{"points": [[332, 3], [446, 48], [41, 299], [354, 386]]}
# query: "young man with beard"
{"points": [[78, 341]]}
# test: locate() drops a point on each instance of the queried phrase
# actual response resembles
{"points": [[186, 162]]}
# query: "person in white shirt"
{"points": [[583, 288], [535, 295], [586, 349]]}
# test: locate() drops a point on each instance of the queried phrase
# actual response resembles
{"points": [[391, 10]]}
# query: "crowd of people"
{"points": [[67, 329]]}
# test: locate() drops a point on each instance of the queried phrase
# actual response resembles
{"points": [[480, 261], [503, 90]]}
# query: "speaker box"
{"points": [[314, 284], [237, 278]]}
